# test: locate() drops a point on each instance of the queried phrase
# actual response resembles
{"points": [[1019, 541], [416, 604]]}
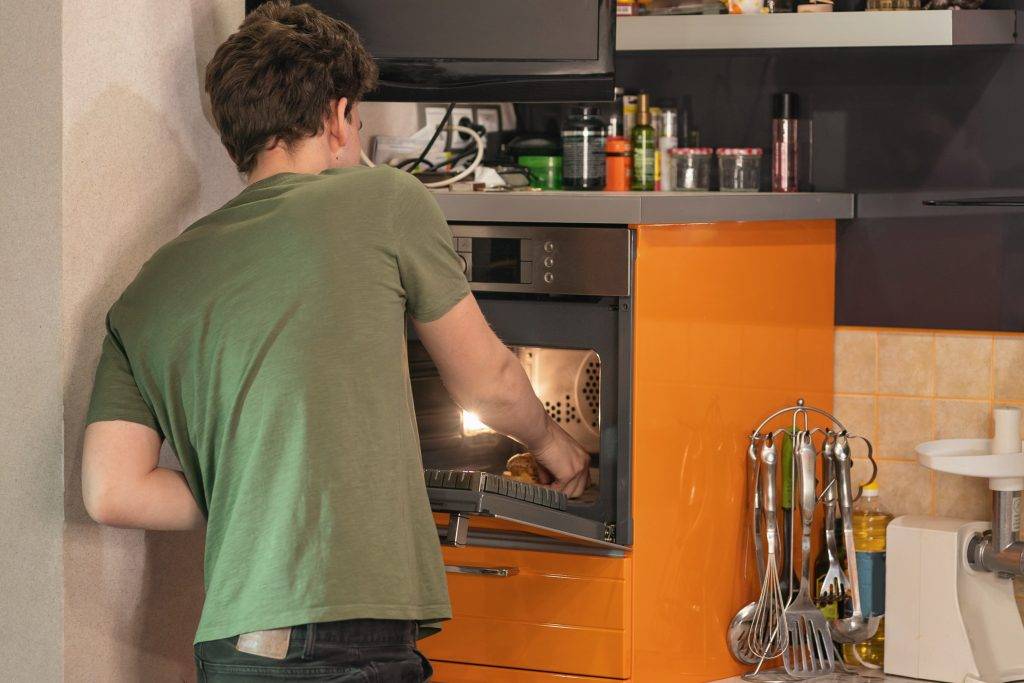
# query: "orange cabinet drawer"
{"points": [[451, 672], [558, 613]]}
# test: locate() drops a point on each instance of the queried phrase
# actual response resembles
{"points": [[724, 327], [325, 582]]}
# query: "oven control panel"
{"points": [[595, 261]]}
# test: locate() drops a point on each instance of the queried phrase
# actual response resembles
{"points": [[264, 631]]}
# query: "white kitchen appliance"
{"points": [[950, 612]]}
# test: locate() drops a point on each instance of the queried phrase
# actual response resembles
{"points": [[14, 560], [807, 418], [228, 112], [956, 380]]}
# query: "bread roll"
{"points": [[523, 467]]}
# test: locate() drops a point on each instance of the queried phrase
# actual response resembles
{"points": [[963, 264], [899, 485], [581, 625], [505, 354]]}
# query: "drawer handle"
{"points": [[502, 572]]}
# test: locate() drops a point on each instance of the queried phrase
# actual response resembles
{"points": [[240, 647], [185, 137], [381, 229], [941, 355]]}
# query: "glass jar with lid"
{"points": [[739, 169], [690, 168]]}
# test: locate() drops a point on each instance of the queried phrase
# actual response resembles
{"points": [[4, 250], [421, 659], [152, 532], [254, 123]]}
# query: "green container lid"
{"points": [[545, 171]]}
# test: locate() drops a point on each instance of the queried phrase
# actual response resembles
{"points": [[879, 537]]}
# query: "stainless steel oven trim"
{"points": [[586, 261], [499, 572], [525, 540], [521, 512], [624, 455]]}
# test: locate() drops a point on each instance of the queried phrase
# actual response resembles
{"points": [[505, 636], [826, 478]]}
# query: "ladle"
{"points": [[856, 628]]}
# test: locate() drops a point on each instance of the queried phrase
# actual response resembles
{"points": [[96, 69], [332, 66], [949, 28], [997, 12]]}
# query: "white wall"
{"points": [[109, 154], [31, 514], [140, 163]]}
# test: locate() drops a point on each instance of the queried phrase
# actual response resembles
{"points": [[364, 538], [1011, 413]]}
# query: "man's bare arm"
{"points": [[485, 377], [123, 486]]}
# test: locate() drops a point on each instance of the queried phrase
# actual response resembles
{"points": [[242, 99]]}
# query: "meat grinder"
{"points": [[951, 614]]}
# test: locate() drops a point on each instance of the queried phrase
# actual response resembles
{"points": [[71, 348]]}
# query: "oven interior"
{"points": [[567, 382]]}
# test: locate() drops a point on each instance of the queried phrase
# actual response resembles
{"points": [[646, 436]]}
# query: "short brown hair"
{"points": [[275, 78]]}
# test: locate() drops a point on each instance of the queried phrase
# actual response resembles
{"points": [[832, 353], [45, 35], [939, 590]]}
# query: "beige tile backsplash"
{"points": [[902, 387], [966, 366], [1009, 361], [902, 424], [906, 364], [856, 361]]}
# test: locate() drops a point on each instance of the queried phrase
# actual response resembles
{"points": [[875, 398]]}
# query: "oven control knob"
{"points": [[465, 266], [549, 261], [549, 246], [549, 278]]}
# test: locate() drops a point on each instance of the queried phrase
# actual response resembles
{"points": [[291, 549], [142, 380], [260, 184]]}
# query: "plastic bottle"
{"points": [[667, 141], [869, 525], [583, 140], [629, 109], [618, 165], [644, 146]]}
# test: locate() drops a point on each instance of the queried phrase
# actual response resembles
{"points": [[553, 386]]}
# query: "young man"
{"points": [[267, 345]]}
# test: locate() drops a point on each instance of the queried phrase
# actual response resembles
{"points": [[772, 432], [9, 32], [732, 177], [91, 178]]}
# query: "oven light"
{"points": [[472, 426]]}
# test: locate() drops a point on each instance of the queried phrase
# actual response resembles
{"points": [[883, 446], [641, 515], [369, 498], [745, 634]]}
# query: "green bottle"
{"points": [[644, 149]]}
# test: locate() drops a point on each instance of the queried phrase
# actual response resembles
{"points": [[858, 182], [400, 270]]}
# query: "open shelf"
{"points": [[816, 29]]}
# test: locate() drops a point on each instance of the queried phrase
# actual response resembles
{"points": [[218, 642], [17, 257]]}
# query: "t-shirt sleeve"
{"points": [[115, 394], [430, 270]]}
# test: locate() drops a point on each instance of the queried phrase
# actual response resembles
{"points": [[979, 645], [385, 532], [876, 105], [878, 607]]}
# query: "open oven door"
{"points": [[542, 511], [574, 355]]}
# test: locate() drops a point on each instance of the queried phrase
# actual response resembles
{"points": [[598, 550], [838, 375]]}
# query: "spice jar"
{"points": [[619, 165], [739, 169], [690, 168]]}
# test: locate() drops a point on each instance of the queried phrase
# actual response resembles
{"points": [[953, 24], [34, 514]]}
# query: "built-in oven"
{"points": [[561, 299]]}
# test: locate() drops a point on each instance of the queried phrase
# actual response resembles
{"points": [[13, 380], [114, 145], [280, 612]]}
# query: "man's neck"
{"points": [[303, 158]]}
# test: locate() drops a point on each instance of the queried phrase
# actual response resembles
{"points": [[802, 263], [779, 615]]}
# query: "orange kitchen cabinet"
{"points": [[559, 613], [731, 321], [453, 672]]}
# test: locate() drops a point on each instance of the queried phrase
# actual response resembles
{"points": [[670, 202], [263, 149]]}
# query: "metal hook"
{"points": [[871, 459]]}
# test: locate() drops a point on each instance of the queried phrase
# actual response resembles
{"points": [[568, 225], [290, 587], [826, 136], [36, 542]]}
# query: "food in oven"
{"points": [[523, 467]]}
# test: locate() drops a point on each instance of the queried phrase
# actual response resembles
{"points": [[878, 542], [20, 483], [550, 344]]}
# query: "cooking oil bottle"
{"points": [[869, 524]]}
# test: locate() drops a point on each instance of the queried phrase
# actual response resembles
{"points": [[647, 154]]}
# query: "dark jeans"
{"points": [[354, 651]]}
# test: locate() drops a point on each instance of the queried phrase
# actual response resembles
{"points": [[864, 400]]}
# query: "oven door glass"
{"points": [[576, 389]]}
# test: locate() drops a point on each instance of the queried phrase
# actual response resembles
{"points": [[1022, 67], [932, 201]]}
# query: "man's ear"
{"points": [[338, 126]]}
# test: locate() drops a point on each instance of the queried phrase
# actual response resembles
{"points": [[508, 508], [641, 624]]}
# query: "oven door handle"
{"points": [[501, 572]]}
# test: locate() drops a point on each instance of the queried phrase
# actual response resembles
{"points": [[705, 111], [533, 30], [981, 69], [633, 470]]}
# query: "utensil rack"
{"points": [[835, 488], [801, 409]]}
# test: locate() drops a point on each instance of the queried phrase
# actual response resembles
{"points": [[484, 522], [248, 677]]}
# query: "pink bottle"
{"points": [[785, 148]]}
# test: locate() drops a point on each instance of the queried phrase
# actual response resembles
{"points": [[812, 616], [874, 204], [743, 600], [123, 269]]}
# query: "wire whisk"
{"points": [[768, 637]]}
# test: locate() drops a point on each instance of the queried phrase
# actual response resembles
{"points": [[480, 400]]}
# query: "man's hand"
{"points": [[564, 465]]}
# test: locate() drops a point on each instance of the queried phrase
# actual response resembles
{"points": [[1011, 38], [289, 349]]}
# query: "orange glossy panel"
{"points": [[560, 613], [451, 672], [733, 320]]}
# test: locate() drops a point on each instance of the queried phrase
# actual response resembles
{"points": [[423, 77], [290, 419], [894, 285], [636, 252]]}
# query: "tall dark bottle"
{"points": [[583, 141]]}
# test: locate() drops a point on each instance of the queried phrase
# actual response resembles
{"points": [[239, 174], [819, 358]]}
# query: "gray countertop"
{"points": [[642, 207], [884, 679]]}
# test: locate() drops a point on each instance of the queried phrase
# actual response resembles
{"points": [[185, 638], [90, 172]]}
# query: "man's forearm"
{"points": [[122, 485], [158, 501], [510, 406]]}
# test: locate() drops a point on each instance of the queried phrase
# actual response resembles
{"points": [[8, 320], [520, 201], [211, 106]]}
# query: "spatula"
{"points": [[810, 652]]}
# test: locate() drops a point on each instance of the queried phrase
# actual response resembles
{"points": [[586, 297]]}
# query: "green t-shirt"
{"points": [[267, 344]]}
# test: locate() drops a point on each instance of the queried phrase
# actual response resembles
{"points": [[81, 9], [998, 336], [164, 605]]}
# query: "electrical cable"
{"points": [[480, 149], [437, 131], [469, 151]]}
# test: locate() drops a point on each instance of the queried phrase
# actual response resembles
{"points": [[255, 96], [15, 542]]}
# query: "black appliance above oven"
{"points": [[561, 298], [471, 51]]}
